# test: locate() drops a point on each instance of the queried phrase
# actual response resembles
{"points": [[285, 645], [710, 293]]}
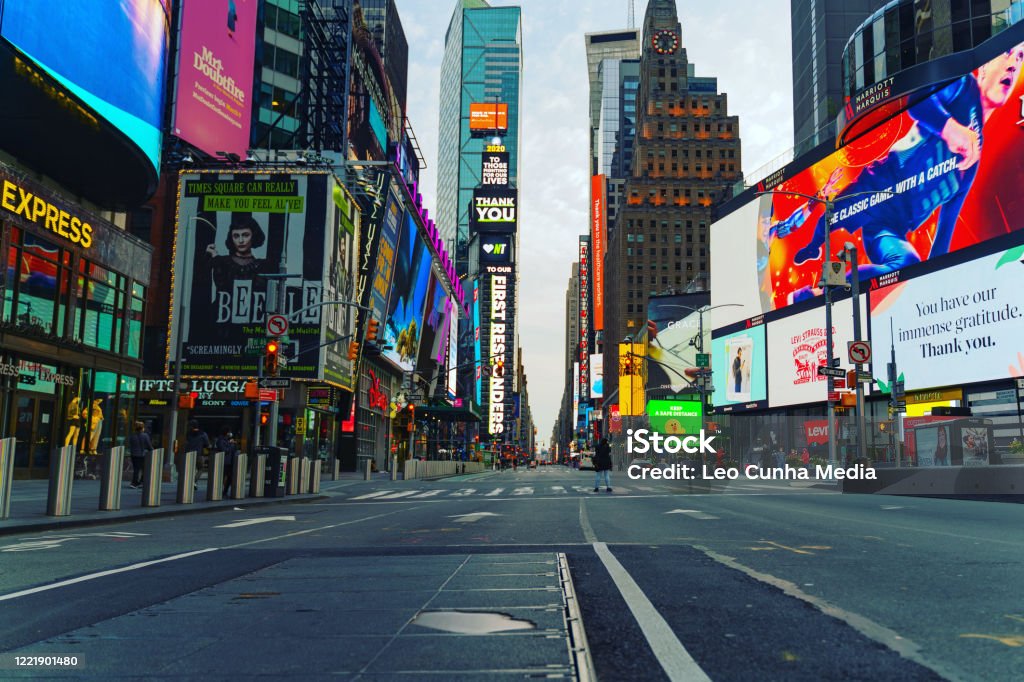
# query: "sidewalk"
{"points": [[28, 504]]}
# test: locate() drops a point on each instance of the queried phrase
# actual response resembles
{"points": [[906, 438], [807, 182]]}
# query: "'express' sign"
{"points": [[34, 208]]}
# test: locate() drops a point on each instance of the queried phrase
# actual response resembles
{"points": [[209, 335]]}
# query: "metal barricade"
{"points": [[294, 471], [215, 478], [257, 474], [238, 469], [153, 477], [62, 472], [6, 475], [110, 484], [186, 493]]}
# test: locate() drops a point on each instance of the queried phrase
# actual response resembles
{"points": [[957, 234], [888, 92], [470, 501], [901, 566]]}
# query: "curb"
{"points": [[138, 514]]}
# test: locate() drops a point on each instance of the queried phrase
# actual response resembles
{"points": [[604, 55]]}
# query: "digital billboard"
{"points": [[493, 209], [495, 249], [213, 95], [383, 273], [798, 345], [488, 116], [494, 168], [631, 379], [675, 416], [88, 78], [599, 242], [597, 376], [941, 176], [436, 318], [672, 341], [583, 305], [340, 282], [402, 324], [231, 229], [738, 362], [499, 330], [956, 326]]}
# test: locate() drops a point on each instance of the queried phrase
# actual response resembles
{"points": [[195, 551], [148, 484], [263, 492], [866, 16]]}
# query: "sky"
{"points": [[747, 48]]}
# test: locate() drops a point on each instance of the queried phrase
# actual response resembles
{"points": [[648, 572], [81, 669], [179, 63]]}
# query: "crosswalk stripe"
{"points": [[393, 496], [369, 495], [429, 493], [558, 489], [523, 491], [496, 491], [464, 492]]}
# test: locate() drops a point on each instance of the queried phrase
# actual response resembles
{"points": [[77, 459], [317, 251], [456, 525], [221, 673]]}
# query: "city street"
{"points": [[490, 576]]}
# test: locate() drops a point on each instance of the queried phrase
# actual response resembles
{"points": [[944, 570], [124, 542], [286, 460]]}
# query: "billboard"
{"points": [[340, 282], [631, 379], [495, 249], [437, 316], [955, 326], [598, 239], [401, 325], [213, 94], [499, 329], [738, 363], [494, 169], [940, 176], [672, 332], [488, 116], [675, 416], [493, 209], [88, 79], [798, 346], [231, 229], [383, 273], [583, 301], [597, 376]]}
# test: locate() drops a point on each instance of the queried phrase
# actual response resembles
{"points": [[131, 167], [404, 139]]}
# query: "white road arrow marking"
{"points": [[888, 507], [470, 518], [253, 522], [496, 491], [693, 513]]}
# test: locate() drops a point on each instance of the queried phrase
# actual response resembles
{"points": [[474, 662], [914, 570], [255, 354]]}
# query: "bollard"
{"points": [[369, 469], [215, 478], [314, 479], [62, 472], [153, 477], [336, 469], [257, 474], [238, 476], [294, 471], [6, 475], [394, 468], [187, 478], [110, 485], [305, 469]]}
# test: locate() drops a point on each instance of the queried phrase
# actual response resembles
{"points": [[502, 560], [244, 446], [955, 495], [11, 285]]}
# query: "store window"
{"points": [[33, 301]]}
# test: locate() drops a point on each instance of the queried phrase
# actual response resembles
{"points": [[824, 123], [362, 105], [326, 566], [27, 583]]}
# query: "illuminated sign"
{"points": [[493, 209], [598, 233], [583, 343], [674, 416], [488, 116], [38, 210], [376, 398], [494, 170], [495, 249], [631, 379], [500, 332]]}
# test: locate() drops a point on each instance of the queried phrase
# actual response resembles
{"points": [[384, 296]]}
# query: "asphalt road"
{"points": [[528, 574]]}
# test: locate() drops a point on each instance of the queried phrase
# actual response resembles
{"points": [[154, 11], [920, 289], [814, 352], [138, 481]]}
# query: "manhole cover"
{"points": [[471, 622]]}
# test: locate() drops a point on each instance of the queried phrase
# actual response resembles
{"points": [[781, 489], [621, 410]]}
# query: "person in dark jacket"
{"points": [[197, 440], [139, 447], [226, 443], [603, 465]]}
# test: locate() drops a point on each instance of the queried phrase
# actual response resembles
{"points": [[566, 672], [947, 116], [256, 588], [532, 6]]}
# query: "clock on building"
{"points": [[665, 41]]}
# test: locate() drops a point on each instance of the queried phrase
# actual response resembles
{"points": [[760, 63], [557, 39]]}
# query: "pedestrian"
{"points": [[226, 443], [603, 465], [139, 447], [805, 456], [196, 441]]}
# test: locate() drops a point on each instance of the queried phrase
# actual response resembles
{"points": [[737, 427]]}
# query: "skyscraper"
{"points": [[481, 68], [820, 29], [686, 155]]}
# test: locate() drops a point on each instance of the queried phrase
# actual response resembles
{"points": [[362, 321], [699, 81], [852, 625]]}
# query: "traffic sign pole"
{"points": [[851, 258]]}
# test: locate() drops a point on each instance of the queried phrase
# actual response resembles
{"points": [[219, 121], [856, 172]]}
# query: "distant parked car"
{"points": [[587, 462]]}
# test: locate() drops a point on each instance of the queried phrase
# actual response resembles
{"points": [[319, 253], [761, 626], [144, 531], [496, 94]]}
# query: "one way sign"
{"points": [[275, 382]]}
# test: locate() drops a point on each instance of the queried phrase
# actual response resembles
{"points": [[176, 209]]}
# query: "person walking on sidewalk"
{"points": [[139, 447], [603, 465], [226, 444], [196, 440]]}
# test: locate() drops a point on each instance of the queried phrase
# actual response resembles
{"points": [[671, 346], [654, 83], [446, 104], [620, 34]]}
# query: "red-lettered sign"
{"points": [[816, 431]]}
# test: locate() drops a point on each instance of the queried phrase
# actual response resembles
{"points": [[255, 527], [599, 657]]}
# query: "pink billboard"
{"points": [[213, 99]]}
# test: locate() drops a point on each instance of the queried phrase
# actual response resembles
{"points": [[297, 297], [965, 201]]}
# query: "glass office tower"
{"points": [[482, 63]]}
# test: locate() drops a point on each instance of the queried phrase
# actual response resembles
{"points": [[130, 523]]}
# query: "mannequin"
{"points": [[95, 424], [74, 420]]}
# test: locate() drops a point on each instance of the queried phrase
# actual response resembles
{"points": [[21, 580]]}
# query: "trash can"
{"points": [[275, 470]]}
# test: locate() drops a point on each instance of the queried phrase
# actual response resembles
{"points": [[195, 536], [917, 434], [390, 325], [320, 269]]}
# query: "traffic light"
{"points": [[353, 351], [498, 370], [264, 418], [270, 358], [371, 329]]}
